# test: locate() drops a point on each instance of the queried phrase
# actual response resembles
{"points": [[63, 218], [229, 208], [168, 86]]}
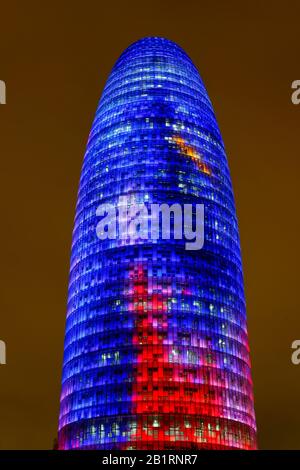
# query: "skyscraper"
{"points": [[156, 349]]}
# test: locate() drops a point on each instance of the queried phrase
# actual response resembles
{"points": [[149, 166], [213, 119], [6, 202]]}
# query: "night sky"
{"points": [[55, 60]]}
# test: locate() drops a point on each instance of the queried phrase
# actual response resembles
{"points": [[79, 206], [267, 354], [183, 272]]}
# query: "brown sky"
{"points": [[55, 60]]}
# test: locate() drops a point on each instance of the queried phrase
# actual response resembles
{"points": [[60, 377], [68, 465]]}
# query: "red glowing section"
{"points": [[176, 403]]}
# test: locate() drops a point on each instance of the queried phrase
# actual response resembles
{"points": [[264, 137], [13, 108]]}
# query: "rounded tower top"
{"points": [[152, 46]]}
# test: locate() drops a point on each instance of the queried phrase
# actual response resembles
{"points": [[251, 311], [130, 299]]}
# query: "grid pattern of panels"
{"points": [[156, 348]]}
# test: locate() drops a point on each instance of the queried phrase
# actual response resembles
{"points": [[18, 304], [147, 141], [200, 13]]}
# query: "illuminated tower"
{"points": [[156, 348]]}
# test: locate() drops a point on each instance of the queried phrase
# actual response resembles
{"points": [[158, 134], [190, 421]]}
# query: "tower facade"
{"points": [[156, 349]]}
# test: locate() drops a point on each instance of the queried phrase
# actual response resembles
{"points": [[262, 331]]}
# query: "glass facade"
{"points": [[156, 349]]}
